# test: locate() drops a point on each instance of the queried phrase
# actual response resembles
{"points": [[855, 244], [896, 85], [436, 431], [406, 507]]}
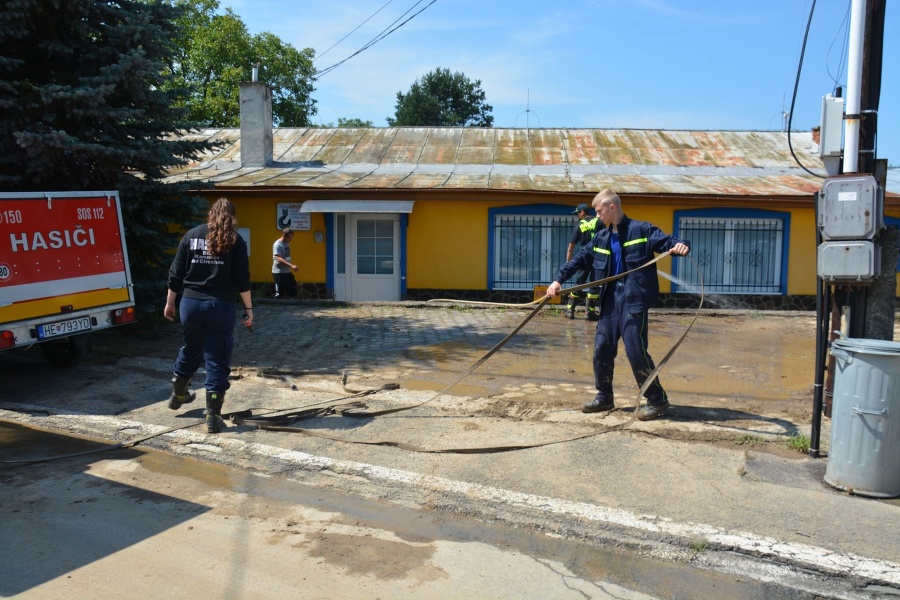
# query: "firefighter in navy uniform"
{"points": [[623, 245], [581, 237], [210, 268]]}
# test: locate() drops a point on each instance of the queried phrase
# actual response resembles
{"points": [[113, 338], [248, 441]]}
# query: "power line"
{"points": [[846, 34], [812, 10], [354, 29], [384, 33]]}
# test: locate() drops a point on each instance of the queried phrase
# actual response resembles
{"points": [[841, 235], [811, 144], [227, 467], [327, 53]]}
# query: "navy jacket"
{"points": [[641, 241], [197, 274]]}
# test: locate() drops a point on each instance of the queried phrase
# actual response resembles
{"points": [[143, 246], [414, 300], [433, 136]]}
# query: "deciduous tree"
{"points": [[444, 99], [217, 53]]}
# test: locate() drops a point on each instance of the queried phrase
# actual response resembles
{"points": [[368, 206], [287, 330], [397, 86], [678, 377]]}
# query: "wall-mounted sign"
{"points": [[289, 215]]}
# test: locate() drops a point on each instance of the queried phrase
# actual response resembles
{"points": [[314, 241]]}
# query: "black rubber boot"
{"points": [[180, 393], [570, 306], [214, 421], [593, 309]]}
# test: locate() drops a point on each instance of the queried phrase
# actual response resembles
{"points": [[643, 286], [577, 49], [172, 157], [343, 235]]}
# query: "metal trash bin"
{"points": [[864, 451]]}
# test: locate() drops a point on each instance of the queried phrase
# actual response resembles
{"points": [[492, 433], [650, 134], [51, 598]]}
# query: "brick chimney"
{"points": [[256, 124]]}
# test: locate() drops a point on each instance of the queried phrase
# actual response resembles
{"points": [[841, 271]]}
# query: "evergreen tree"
{"points": [[83, 107], [443, 99]]}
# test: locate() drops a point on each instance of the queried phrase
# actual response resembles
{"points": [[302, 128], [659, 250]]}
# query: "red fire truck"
{"points": [[63, 271]]}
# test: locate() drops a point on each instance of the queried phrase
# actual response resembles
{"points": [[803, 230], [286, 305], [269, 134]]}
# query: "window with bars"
{"points": [[734, 254], [528, 249]]}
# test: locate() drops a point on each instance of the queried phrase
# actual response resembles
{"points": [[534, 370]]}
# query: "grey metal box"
{"points": [[850, 208], [856, 261], [832, 126]]}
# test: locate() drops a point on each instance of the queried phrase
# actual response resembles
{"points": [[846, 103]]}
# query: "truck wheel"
{"points": [[67, 352]]}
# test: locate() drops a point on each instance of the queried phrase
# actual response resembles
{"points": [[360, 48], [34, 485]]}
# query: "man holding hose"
{"points": [[619, 246]]}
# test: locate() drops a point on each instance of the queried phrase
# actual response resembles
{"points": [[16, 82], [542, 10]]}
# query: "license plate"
{"points": [[63, 327]]}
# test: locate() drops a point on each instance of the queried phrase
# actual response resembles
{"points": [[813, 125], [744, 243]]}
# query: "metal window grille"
{"points": [[529, 249], [735, 256]]}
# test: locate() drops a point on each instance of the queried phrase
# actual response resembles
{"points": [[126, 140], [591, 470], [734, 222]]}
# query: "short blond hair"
{"points": [[609, 197]]}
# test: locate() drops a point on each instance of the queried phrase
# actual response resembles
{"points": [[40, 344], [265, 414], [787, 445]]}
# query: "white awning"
{"points": [[357, 206]]}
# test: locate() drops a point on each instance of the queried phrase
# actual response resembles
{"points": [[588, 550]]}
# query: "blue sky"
{"points": [[662, 64]]}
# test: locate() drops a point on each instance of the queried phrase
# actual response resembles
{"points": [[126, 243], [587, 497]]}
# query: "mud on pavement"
{"points": [[718, 473]]}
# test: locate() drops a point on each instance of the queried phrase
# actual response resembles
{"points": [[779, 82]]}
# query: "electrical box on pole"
{"points": [[832, 127], [850, 215], [849, 262], [851, 207]]}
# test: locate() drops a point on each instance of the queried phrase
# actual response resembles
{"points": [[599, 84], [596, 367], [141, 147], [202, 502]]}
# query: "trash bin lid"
{"points": [[862, 345]]}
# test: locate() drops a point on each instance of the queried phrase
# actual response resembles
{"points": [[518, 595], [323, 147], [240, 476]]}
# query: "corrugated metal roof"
{"points": [[632, 161]]}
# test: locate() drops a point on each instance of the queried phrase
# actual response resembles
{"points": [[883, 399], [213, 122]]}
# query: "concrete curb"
{"points": [[804, 567]]}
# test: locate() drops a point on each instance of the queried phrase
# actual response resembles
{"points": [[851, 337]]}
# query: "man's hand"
{"points": [[553, 289], [169, 311], [680, 249]]}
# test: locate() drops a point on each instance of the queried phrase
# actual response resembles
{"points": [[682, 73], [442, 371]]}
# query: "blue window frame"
{"points": [[737, 251], [527, 244]]}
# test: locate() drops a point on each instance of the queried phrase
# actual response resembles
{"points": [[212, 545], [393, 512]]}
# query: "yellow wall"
{"points": [[447, 238], [802, 267], [447, 245], [260, 217]]}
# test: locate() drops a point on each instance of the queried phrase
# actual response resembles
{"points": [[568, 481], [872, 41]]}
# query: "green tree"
{"points": [[342, 122], [441, 98], [84, 106], [217, 53], [354, 122]]}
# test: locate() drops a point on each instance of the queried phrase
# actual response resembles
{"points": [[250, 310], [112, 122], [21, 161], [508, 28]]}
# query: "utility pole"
{"points": [[865, 290], [871, 307], [881, 296]]}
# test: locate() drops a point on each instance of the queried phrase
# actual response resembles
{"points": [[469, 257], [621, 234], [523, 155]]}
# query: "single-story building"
{"points": [[486, 213]]}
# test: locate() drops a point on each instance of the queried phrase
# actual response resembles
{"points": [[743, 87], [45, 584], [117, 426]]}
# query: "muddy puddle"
{"points": [[745, 363]]}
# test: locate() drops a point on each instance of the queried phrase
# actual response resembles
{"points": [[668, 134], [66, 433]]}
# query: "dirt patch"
{"points": [[738, 379]]}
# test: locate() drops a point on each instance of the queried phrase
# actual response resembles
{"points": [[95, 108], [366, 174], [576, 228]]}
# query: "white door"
{"points": [[367, 251]]}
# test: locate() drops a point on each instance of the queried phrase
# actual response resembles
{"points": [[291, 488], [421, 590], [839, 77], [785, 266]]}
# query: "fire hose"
{"points": [[286, 421]]}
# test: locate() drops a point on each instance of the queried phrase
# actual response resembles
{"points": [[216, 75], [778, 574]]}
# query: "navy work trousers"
{"points": [[580, 278], [208, 327], [617, 323]]}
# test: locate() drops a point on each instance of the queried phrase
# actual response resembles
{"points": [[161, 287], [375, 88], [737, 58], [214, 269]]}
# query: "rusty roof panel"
{"points": [[371, 147], [544, 155], [294, 178], [337, 179], [441, 145], [582, 147], [475, 155], [512, 155], [622, 156], [425, 180], [480, 137], [462, 181], [554, 160], [655, 156], [691, 157], [405, 148], [399, 154], [379, 180]]}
